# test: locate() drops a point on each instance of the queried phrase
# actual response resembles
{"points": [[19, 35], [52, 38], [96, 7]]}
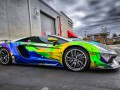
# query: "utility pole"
{"points": [[109, 33], [85, 34]]}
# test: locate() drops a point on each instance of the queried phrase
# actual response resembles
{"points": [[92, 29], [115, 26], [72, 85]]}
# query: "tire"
{"points": [[5, 57], [76, 59]]}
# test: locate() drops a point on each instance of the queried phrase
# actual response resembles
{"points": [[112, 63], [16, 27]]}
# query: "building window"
{"points": [[70, 23]]}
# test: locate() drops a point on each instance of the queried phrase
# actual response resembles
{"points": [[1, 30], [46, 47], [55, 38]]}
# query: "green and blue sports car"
{"points": [[75, 55]]}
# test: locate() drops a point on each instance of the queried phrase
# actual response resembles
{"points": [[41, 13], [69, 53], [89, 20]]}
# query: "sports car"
{"points": [[75, 55]]}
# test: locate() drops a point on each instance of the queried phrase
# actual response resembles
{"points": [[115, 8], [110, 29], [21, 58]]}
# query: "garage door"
{"points": [[47, 25]]}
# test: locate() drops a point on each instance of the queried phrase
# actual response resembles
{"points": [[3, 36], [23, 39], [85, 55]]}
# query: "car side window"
{"points": [[44, 40], [35, 40], [61, 41]]}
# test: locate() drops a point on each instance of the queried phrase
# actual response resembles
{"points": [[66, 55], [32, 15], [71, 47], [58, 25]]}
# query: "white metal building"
{"points": [[21, 18]]}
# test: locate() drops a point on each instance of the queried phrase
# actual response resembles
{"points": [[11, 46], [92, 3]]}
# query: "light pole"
{"points": [[109, 33], [85, 33]]}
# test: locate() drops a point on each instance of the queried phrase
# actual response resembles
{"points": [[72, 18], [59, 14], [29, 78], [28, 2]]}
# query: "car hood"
{"points": [[99, 45], [94, 43]]}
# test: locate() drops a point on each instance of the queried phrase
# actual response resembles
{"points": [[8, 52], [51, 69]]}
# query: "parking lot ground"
{"points": [[28, 77]]}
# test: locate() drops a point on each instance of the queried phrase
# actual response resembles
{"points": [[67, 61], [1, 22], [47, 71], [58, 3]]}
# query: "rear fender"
{"points": [[6, 45]]}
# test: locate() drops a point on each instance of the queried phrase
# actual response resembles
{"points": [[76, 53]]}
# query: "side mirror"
{"points": [[52, 40]]}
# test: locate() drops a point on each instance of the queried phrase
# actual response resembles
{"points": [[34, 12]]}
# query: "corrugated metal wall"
{"points": [[14, 21], [47, 24], [3, 20], [36, 19], [18, 19]]}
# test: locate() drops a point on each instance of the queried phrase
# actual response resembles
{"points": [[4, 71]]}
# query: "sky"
{"points": [[90, 15]]}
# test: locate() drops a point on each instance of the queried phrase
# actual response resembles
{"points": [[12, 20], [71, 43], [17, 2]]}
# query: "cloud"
{"points": [[77, 24], [90, 15], [77, 14]]}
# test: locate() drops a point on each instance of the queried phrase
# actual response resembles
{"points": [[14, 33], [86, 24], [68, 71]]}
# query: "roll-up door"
{"points": [[47, 24]]}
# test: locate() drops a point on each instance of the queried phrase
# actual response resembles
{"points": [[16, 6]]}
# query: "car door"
{"points": [[41, 51]]}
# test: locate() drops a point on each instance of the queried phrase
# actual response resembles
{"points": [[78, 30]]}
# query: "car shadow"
{"points": [[64, 69], [103, 70], [40, 66]]}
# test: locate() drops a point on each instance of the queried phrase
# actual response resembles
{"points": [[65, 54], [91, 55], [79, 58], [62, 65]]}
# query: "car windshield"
{"points": [[66, 39], [61, 40], [75, 39]]}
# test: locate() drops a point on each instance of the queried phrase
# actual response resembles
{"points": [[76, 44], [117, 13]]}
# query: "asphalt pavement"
{"points": [[27, 77]]}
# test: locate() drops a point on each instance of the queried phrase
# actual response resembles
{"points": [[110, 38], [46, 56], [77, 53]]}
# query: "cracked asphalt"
{"points": [[25, 77]]}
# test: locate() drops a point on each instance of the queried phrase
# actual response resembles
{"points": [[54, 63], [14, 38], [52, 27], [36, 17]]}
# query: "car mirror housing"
{"points": [[52, 40]]}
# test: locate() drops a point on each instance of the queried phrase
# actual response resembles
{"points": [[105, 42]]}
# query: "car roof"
{"points": [[23, 38], [41, 36], [67, 39]]}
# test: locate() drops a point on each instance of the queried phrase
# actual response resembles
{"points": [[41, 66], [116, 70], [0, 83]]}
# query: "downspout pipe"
{"points": [[30, 21], [60, 29]]}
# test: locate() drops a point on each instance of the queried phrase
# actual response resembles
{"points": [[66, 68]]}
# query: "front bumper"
{"points": [[114, 65]]}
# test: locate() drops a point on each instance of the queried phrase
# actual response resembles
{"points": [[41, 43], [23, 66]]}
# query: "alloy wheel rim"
{"points": [[75, 59], [4, 56]]}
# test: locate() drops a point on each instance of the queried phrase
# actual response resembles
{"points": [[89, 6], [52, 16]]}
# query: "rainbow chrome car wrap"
{"points": [[35, 53]]}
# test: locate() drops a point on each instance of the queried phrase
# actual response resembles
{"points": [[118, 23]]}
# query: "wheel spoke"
{"points": [[75, 52], [69, 57], [73, 64], [2, 53], [70, 61], [2, 60], [6, 58], [72, 54], [80, 62], [80, 56]]}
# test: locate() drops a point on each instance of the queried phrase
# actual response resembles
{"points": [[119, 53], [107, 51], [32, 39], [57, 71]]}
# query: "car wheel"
{"points": [[76, 59], [5, 57]]}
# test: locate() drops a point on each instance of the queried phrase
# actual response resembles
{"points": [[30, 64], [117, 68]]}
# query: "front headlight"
{"points": [[105, 49], [106, 56]]}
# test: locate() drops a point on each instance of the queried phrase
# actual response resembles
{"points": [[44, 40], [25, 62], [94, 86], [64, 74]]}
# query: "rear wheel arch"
{"points": [[5, 48], [9, 56]]}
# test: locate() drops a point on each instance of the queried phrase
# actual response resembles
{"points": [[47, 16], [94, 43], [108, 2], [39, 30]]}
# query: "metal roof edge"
{"points": [[66, 15], [49, 6]]}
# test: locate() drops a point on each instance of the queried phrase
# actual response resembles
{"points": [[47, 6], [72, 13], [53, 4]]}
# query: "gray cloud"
{"points": [[90, 15]]}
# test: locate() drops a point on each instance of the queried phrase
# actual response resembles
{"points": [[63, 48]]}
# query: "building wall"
{"points": [[13, 19], [3, 20], [65, 24], [36, 19], [18, 18]]}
